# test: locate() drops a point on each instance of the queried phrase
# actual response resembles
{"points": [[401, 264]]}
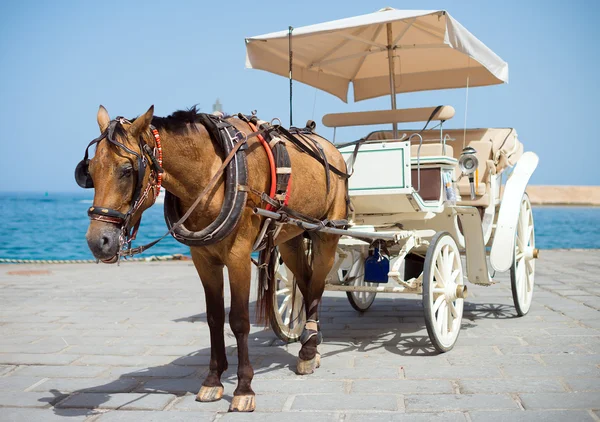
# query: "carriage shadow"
{"points": [[392, 325]]}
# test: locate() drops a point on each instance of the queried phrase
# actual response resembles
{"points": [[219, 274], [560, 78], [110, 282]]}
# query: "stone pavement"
{"points": [[130, 343]]}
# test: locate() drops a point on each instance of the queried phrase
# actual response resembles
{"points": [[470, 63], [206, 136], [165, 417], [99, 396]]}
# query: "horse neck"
{"points": [[189, 161]]}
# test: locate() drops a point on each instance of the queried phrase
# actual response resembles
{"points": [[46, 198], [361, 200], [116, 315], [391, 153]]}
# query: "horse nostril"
{"points": [[105, 243]]}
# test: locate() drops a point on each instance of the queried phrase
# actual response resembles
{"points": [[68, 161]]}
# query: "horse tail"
{"points": [[267, 260]]}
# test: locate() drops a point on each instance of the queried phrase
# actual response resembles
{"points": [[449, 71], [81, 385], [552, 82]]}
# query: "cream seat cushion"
{"points": [[431, 150]]}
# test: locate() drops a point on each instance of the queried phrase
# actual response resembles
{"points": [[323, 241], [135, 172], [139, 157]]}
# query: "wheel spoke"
{"points": [[439, 323], [284, 304], [530, 266], [282, 291], [450, 261], [446, 270], [288, 315], [453, 310], [530, 282], [437, 304], [454, 275], [523, 281], [444, 319], [449, 318], [438, 276]]}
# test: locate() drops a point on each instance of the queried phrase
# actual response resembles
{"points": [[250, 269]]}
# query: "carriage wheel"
{"points": [[361, 301], [522, 270], [287, 323], [443, 290]]}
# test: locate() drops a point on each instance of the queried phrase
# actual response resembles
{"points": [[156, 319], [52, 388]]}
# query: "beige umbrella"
{"points": [[382, 53]]}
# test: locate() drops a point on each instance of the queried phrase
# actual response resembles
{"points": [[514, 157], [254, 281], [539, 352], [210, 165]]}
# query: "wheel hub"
{"points": [[451, 291], [531, 253]]}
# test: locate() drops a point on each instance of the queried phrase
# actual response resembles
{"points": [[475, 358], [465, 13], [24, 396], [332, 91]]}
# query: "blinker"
{"points": [[82, 175]]}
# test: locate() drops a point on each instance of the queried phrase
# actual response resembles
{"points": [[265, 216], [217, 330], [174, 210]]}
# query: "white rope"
{"points": [[175, 257], [466, 106], [315, 97]]}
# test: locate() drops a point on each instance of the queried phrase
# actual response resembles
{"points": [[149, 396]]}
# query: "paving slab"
{"points": [[532, 416], [129, 343]]}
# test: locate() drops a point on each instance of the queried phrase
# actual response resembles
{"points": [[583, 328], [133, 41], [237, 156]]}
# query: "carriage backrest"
{"points": [[379, 117]]}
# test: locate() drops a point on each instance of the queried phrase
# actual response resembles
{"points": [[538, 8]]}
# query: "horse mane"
{"points": [[179, 121]]}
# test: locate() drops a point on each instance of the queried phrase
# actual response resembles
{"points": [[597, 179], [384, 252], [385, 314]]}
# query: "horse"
{"points": [[125, 160]]}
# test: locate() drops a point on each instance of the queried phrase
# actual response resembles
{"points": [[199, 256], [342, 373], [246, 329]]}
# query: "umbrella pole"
{"points": [[290, 29], [392, 74]]}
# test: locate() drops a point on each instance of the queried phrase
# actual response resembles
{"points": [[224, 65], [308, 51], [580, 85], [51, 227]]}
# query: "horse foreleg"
{"points": [[212, 279], [239, 280]]}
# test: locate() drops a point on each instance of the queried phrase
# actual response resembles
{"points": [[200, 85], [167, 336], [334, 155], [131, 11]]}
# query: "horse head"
{"points": [[125, 175]]}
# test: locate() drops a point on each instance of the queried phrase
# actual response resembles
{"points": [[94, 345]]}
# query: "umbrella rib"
{"points": [[362, 60], [352, 56], [399, 37], [421, 26], [336, 48], [362, 40]]}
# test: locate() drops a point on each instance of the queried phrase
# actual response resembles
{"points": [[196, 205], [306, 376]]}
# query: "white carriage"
{"points": [[399, 192], [421, 199]]}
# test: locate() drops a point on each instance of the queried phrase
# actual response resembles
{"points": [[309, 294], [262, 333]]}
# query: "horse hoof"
{"points": [[242, 404], [318, 360], [306, 367], [207, 394]]}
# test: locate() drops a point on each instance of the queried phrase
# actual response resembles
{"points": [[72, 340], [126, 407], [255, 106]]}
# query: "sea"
{"points": [[52, 226]]}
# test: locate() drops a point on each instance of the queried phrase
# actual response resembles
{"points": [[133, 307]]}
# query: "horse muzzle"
{"points": [[103, 241]]}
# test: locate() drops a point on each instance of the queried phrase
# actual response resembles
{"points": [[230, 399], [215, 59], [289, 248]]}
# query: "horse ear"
{"points": [[103, 118], [142, 123]]}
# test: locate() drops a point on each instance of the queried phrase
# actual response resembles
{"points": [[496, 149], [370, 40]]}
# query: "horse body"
{"points": [[190, 159]]}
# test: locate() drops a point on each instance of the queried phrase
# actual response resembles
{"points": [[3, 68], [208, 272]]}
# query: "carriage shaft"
{"points": [[366, 236], [373, 289]]}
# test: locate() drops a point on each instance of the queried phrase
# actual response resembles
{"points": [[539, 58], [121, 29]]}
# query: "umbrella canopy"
{"points": [[382, 53]]}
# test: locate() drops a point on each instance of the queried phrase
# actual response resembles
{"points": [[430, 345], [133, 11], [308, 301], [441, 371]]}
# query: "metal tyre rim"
{"points": [[361, 301], [522, 272], [442, 274], [287, 326]]}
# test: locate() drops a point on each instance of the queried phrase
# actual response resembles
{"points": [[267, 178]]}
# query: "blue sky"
{"points": [[59, 60]]}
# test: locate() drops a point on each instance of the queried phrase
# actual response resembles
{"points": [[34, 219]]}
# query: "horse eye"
{"points": [[126, 171]]}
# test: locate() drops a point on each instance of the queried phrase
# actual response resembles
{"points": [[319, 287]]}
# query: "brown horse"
{"points": [[190, 159]]}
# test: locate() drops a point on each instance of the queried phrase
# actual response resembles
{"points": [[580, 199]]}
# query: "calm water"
{"points": [[35, 226]]}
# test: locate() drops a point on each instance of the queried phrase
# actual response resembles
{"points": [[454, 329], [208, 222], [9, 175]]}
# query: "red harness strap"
{"points": [[160, 159], [272, 167]]}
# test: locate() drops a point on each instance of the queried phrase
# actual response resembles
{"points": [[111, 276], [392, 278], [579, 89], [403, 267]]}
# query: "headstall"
{"points": [[145, 156]]}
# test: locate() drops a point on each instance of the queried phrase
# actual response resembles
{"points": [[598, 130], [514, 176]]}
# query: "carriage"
{"points": [[404, 212], [422, 199]]}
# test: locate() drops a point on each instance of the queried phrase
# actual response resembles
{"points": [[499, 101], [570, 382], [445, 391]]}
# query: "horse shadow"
{"points": [[405, 336]]}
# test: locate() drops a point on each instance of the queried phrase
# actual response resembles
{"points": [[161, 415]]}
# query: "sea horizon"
{"points": [[52, 226]]}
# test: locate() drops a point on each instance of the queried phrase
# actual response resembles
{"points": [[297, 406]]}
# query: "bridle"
{"points": [[145, 156]]}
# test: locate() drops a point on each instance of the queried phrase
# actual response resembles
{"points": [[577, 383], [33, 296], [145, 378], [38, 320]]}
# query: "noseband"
{"points": [[108, 215]]}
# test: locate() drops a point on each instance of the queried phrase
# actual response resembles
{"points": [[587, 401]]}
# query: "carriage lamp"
{"points": [[468, 164]]}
